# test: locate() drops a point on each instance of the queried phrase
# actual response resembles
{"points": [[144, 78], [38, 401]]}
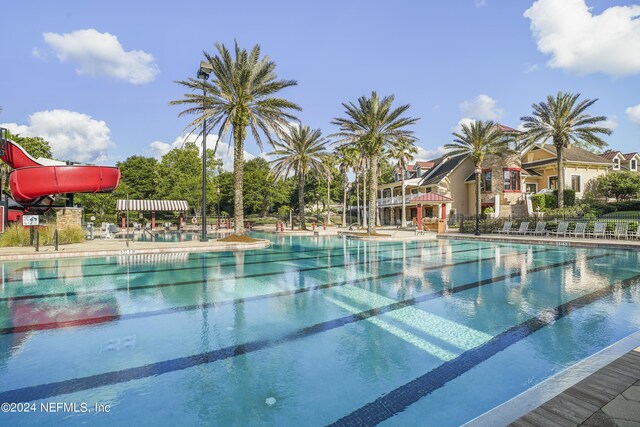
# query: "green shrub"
{"points": [[538, 202], [569, 197], [550, 201], [17, 235]]}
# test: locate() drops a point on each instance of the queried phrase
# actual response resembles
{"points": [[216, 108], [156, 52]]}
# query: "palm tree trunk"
{"points": [[344, 200], [373, 195], [478, 199], [301, 200], [364, 198], [238, 175], [559, 150], [358, 198], [328, 200], [404, 204]]}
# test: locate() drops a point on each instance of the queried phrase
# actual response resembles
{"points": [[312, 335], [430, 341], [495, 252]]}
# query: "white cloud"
{"points": [[464, 121], [481, 3], [634, 114], [482, 107], [531, 68], [580, 41], [424, 155], [73, 136], [98, 53], [611, 122], [224, 152]]}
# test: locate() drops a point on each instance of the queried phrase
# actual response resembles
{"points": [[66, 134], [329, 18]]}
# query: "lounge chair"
{"points": [[599, 230], [580, 229], [561, 230], [524, 227], [621, 230], [540, 229], [506, 228], [637, 233]]}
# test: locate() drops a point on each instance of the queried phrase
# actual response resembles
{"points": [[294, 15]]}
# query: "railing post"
{"points": [[37, 240], [55, 239]]}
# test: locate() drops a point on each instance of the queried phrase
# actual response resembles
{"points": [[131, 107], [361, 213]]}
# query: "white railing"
{"points": [[397, 200]]}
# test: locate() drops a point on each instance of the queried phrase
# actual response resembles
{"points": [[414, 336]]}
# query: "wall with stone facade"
{"points": [[69, 217]]}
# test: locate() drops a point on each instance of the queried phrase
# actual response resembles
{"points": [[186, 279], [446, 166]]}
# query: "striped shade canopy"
{"points": [[152, 205]]}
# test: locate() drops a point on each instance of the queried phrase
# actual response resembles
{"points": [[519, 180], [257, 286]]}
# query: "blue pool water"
{"points": [[311, 331]]}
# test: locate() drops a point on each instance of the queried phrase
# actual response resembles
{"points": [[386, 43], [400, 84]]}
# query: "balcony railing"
{"points": [[397, 200]]}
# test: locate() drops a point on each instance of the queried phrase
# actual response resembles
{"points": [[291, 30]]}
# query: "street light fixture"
{"points": [[218, 193], [203, 73]]}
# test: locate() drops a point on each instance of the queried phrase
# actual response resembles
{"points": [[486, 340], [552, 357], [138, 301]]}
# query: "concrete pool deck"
{"points": [[115, 247]]}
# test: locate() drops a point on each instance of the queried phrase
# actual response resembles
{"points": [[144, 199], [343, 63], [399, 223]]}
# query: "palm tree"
{"points": [[563, 120], [240, 95], [372, 125], [401, 153], [301, 151], [329, 161], [346, 161], [477, 140]]}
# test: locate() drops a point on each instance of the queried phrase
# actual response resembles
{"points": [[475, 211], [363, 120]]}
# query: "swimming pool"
{"points": [[311, 331], [170, 237]]}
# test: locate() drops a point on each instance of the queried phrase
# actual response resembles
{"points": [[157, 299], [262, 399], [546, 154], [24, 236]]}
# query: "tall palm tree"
{"points": [[239, 95], [347, 158], [372, 125], [301, 151], [564, 120], [477, 140], [329, 161], [402, 153]]}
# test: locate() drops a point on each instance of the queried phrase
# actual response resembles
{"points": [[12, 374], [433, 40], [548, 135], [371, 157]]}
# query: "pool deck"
{"points": [[116, 247], [608, 397]]}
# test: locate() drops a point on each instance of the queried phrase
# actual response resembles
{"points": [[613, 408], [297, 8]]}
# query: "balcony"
{"points": [[396, 200]]}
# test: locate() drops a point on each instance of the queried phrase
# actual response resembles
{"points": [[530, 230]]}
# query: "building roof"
{"points": [[444, 166], [611, 154], [571, 154], [504, 128], [431, 197], [425, 165], [411, 168], [152, 205], [630, 156]]}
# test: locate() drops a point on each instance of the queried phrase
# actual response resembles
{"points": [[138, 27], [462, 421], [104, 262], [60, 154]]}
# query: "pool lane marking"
{"points": [[112, 318], [399, 399], [223, 254], [57, 388], [192, 282]]}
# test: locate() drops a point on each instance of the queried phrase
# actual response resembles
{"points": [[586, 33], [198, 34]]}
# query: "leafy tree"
{"points": [[240, 95], [372, 125], [301, 152], [35, 146], [402, 153], [140, 174], [621, 186], [262, 190], [564, 120], [477, 140]]}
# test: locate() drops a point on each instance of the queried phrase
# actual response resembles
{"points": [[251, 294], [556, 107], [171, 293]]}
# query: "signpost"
{"points": [[2, 218], [30, 220]]}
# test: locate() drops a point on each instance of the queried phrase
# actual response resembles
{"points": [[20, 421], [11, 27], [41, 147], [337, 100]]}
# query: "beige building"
{"points": [[444, 186], [620, 161]]}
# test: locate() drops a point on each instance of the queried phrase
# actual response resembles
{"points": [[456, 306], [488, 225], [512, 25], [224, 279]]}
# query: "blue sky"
{"points": [[95, 78]]}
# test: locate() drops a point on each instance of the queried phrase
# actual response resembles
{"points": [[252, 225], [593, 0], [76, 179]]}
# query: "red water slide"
{"points": [[34, 179]]}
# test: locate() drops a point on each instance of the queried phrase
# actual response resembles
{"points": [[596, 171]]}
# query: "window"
{"points": [[576, 183], [553, 182], [511, 179], [616, 163], [531, 187], [428, 190], [485, 180], [634, 164], [418, 171]]}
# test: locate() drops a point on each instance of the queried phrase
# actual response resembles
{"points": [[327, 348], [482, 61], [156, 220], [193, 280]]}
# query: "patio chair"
{"points": [[580, 230], [506, 228], [524, 227], [599, 230], [637, 233], [540, 229], [561, 230], [621, 230]]}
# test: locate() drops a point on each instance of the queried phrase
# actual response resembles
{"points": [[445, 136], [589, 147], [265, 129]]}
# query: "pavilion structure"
{"points": [[153, 206]]}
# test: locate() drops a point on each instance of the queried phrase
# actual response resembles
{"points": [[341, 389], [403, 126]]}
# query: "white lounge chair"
{"points": [[580, 229], [599, 230], [524, 227], [621, 230], [506, 228], [561, 230], [540, 229]]}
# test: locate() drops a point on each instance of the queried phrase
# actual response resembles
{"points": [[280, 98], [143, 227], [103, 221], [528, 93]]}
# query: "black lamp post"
{"points": [[218, 193], [478, 172], [203, 73]]}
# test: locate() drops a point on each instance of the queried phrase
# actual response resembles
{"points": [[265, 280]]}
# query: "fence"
{"points": [[467, 224]]}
